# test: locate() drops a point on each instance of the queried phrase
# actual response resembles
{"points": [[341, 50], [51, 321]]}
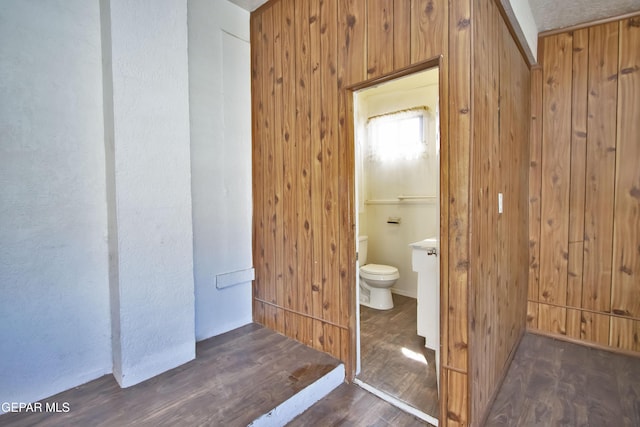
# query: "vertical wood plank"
{"points": [[579, 92], [316, 171], [289, 191], [535, 196], [379, 37], [485, 292], [257, 166], [595, 327], [430, 28], [578, 181], [625, 334], [556, 140], [277, 221], [352, 63], [268, 178], [574, 289], [457, 410], [532, 315], [600, 170], [457, 399], [303, 156], [330, 166], [552, 318], [626, 239], [401, 37], [351, 69], [459, 131]]}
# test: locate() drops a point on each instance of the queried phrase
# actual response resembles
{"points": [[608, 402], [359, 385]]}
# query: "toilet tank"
{"points": [[362, 250]]}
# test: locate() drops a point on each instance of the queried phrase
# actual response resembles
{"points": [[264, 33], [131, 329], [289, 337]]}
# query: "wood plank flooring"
{"points": [[236, 377], [349, 405], [389, 349], [553, 383]]}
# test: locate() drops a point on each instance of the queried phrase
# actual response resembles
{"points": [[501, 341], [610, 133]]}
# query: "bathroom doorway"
{"points": [[397, 175]]}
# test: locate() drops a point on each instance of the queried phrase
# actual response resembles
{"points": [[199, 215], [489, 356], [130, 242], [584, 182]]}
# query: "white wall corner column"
{"points": [[146, 112], [220, 114]]}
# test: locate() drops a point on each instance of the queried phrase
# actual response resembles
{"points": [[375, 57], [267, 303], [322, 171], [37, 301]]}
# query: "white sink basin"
{"points": [[425, 244]]}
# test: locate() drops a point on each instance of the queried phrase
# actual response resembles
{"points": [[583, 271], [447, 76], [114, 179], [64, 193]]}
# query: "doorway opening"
{"points": [[397, 204]]}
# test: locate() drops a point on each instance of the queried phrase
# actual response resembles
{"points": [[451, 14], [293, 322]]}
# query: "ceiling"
{"points": [[548, 14], [554, 14]]}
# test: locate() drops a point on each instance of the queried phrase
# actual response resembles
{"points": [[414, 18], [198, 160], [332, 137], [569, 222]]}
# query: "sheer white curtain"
{"points": [[398, 136]]}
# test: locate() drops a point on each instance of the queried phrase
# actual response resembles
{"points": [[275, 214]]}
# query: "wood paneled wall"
{"points": [[584, 275], [499, 164], [306, 58]]}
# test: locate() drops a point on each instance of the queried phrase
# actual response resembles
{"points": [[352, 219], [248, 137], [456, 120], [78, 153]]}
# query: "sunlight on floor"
{"points": [[414, 356]]}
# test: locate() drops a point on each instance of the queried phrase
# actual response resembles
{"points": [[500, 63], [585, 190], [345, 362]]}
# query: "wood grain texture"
{"points": [[385, 338], [257, 166], [349, 405], [429, 29], [290, 200], [379, 37], [500, 164], [552, 382], [303, 156], [317, 234], [535, 183], [306, 287], [599, 197], [556, 140], [602, 290], [277, 159], [457, 410], [626, 236], [401, 37], [235, 378]]}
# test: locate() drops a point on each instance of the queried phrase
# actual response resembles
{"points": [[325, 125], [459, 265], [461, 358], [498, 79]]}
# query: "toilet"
{"points": [[376, 280]]}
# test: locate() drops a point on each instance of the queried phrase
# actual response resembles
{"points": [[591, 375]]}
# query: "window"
{"points": [[398, 136]]}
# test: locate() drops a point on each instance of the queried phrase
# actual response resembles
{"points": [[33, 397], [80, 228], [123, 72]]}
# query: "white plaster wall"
{"points": [[154, 313], [389, 243], [54, 295], [220, 109], [524, 18]]}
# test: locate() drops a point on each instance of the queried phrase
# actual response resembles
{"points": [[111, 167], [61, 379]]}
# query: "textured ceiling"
{"points": [[548, 14], [554, 14]]}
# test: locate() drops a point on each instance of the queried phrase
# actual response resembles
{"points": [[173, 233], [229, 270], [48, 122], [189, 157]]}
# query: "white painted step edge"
{"points": [[301, 401]]}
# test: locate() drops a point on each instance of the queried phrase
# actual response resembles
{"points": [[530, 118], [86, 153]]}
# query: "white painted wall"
{"points": [[153, 312], [95, 187], [389, 243], [54, 293], [524, 17], [220, 110]]}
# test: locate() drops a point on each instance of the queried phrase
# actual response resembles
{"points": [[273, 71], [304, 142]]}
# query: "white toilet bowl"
{"points": [[376, 281]]}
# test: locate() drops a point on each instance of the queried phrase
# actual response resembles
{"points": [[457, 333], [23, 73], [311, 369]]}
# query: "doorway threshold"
{"points": [[397, 402]]}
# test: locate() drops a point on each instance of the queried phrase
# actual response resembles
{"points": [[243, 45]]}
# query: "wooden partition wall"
{"points": [[307, 55], [499, 241], [585, 186]]}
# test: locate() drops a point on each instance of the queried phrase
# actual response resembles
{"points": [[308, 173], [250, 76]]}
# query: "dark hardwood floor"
{"points": [[236, 377], [556, 383], [389, 349], [349, 405]]}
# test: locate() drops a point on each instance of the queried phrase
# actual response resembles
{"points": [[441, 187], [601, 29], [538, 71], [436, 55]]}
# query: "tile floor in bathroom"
{"points": [[394, 359]]}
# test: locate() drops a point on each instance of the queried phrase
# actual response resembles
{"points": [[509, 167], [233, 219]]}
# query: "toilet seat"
{"points": [[379, 272]]}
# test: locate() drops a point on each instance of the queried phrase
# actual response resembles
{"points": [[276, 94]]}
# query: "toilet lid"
{"points": [[379, 269]]}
